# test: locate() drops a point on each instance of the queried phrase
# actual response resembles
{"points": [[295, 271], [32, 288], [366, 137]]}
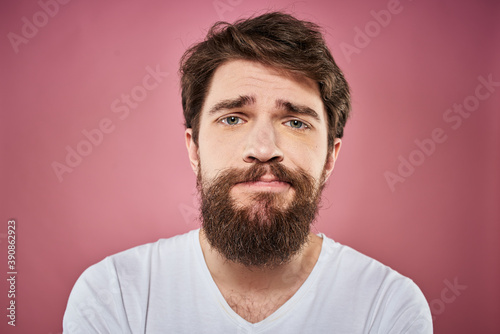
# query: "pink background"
{"points": [[439, 226]]}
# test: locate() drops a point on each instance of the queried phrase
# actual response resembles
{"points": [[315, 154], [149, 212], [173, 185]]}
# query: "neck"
{"points": [[233, 276]]}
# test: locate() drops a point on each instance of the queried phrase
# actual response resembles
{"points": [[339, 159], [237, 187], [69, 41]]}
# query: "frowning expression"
{"points": [[254, 113]]}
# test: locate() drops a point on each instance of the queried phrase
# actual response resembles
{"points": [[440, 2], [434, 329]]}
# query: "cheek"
{"points": [[309, 154], [307, 159], [221, 148], [214, 156]]}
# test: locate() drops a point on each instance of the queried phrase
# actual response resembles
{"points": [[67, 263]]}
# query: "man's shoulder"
{"points": [[353, 262], [373, 289], [138, 259], [103, 291], [362, 274], [173, 246]]}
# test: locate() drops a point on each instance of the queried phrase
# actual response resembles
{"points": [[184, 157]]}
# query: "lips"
{"points": [[267, 179], [263, 177], [265, 183]]}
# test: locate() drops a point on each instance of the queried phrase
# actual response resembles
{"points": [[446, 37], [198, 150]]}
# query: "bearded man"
{"points": [[265, 106]]}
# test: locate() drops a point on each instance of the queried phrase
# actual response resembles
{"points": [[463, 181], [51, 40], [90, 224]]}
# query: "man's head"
{"points": [[275, 39], [265, 107]]}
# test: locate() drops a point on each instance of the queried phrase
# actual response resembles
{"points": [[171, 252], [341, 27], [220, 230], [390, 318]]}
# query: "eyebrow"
{"points": [[297, 109], [241, 101], [245, 100]]}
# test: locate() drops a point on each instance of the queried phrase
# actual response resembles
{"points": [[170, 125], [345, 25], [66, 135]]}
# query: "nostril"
{"points": [[275, 159], [264, 158]]}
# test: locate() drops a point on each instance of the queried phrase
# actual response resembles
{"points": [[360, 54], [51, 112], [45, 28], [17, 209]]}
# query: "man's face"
{"points": [[255, 117]]}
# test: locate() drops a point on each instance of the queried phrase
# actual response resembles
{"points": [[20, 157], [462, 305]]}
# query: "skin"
{"points": [[236, 132]]}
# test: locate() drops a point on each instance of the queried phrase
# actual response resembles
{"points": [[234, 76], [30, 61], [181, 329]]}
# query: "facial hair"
{"points": [[266, 232]]}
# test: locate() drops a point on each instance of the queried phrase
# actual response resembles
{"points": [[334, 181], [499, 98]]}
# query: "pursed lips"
{"points": [[266, 182]]}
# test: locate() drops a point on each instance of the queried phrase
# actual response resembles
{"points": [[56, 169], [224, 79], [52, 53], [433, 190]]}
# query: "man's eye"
{"points": [[296, 124], [232, 120]]}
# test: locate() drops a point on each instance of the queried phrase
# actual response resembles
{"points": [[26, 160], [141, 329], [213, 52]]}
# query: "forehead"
{"points": [[267, 84]]}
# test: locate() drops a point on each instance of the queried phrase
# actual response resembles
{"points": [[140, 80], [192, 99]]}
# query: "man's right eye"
{"points": [[232, 120]]}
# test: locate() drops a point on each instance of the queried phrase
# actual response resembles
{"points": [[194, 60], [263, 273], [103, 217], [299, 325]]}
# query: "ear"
{"points": [[332, 157], [192, 149]]}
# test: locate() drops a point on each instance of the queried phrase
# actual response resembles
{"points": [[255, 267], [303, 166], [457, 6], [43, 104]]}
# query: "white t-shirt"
{"points": [[166, 287]]}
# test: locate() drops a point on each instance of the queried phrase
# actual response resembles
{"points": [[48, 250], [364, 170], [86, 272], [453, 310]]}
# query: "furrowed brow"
{"points": [[297, 109], [241, 101]]}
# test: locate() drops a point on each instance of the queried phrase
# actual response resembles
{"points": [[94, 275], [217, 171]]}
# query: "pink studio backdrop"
{"points": [[416, 185]]}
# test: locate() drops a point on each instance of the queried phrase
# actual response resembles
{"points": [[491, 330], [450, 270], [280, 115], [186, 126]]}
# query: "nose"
{"points": [[261, 144]]}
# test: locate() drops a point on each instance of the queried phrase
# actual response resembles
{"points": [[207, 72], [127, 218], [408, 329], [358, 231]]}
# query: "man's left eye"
{"points": [[296, 124], [232, 120]]}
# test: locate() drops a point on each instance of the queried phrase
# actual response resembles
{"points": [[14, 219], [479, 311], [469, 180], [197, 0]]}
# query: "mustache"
{"points": [[299, 179], [259, 169], [253, 173]]}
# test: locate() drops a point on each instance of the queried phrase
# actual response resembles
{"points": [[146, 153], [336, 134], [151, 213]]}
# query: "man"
{"points": [[265, 106]]}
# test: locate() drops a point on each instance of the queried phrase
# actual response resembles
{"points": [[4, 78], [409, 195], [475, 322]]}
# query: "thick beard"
{"points": [[265, 233]]}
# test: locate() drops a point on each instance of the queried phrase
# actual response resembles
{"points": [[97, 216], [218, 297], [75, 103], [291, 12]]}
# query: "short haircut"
{"points": [[275, 39]]}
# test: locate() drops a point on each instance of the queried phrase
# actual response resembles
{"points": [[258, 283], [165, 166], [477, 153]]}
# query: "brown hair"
{"points": [[276, 39]]}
